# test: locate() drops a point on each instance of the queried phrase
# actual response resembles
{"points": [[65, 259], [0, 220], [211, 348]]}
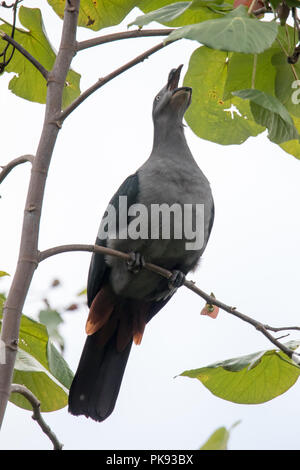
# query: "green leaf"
{"points": [[286, 73], [198, 10], [270, 112], [3, 273], [2, 300], [28, 83], [40, 367], [236, 32], [252, 379], [240, 70], [29, 372], [97, 14], [210, 116], [52, 319], [58, 366], [293, 146], [219, 439], [165, 14]]}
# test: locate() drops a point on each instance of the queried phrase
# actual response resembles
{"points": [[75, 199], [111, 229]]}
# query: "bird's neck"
{"points": [[169, 140]]}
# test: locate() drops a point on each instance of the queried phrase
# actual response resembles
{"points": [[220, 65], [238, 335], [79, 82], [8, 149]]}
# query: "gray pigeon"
{"points": [[161, 214]]}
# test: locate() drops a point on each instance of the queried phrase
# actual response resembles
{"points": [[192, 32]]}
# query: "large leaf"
{"points": [[252, 379], [270, 112], [28, 83], [199, 10], [286, 74], [236, 32], [293, 146], [210, 116], [41, 368], [240, 72], [181, 13], [97, 14]]}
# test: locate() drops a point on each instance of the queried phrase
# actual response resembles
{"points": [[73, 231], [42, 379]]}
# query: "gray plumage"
{"points": [[122, 301]]}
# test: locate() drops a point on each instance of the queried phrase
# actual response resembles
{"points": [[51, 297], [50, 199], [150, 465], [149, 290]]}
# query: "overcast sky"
{"points": [[251, 261]]}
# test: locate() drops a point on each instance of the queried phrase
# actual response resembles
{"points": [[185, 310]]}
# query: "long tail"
{"points": [[112, 326], [97, 382]]}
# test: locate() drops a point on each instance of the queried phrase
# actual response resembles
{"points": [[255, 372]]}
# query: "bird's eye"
{"points": [[157, 98]]}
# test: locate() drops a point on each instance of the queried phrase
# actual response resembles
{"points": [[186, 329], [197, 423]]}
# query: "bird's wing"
{"points": [[99, 269]]}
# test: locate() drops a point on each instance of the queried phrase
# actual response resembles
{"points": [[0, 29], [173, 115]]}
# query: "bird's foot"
{"points": [[176, 280], [136, 262]]}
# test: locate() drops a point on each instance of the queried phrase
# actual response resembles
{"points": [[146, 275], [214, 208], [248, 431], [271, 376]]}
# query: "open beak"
{"points": [[174, 77], [183, 93]]}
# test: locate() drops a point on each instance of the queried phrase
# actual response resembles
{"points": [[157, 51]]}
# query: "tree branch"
{"points": [[264, 329], [25, 53], [17, 161], [16, 388], [102, 81], [27, 260], [137, 33]]}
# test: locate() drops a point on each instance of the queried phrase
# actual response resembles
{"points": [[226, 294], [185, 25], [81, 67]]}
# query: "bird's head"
{"points": [[171, 103]]}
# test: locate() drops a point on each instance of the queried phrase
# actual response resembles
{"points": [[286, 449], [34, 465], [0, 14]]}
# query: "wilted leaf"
{"points": [[252, 379], [210, 310]]}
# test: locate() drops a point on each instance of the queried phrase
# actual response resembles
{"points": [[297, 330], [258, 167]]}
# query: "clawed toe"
{"points": [[176, 280], [136, 262]]}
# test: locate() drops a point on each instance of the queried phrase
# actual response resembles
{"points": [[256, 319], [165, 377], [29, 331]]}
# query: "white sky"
{"points": [[251, 262]]}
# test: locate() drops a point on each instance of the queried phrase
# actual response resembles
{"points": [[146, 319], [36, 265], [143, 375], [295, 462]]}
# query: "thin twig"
{"points": [[282, 328], [25, 53], [189, 284], [16, 388], [17, 161], [102, 81], [288, 59], [137, 33], [262, 11], [251, 7]]}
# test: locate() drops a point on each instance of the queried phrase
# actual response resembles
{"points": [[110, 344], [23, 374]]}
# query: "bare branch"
{"points": [[264, 329], [16, 388], [27, 264], [17, 161], [25, 53], [137, 33], [108, 78]]}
